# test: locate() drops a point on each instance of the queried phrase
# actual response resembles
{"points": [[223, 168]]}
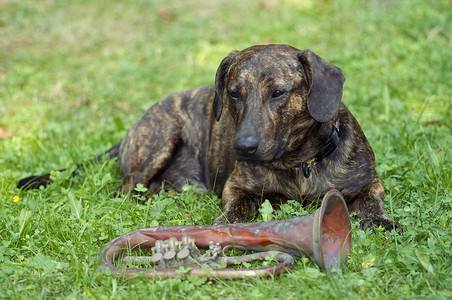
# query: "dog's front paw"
{"points": [[228, 218], [386, 224], [221, 220]]}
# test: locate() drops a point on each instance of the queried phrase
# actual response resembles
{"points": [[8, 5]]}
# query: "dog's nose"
{"points": [[246, 145]]}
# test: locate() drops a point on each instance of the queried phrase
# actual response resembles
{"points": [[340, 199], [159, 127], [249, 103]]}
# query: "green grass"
{"points": [[74, 75]]}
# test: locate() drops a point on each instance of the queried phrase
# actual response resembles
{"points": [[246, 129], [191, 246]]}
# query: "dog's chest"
{"points": [[291, 184]]}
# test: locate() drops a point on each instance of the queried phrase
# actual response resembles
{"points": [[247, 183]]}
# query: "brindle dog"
{"points": [[278, 130]]}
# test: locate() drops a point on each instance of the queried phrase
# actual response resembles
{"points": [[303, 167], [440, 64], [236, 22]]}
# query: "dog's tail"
{"points": [[34, 182]]}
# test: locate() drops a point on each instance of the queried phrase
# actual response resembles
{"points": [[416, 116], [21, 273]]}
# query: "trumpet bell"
{"points": [[331, 232]]}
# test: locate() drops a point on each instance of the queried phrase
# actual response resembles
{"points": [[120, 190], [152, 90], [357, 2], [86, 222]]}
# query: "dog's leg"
{"points": [[183, 168], [237, 203], [163, 146], [146, 151], [145, 171], [368, 204]]}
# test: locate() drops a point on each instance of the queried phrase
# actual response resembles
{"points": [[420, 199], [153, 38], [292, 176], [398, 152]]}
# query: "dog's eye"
{"points": [[234, 95], [278, 93]]}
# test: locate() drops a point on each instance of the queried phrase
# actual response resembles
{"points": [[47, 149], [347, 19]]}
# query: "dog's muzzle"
{"points": [[248, 148]]}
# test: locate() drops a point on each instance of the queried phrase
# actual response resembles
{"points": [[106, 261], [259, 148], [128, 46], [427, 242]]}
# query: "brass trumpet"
{"points": [[324, 236]]}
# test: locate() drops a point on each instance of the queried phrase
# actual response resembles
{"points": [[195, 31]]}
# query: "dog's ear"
{"points": [[220, 84], [325, 83]]}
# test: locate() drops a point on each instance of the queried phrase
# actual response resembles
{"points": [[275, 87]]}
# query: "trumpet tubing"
{"points": [[323, 236]]}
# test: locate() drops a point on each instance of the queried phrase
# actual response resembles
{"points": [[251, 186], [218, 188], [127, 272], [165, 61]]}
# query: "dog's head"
{"points": [[276, 94]]}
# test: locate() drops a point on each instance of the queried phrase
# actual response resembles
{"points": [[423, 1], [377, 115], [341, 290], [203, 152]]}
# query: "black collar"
{"points": [[330, 146]]}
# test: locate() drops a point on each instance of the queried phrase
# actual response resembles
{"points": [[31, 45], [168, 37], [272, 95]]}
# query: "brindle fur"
{"points": [[248, 147]]}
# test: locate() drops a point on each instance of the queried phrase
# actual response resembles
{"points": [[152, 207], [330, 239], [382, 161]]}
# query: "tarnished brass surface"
{"points": [[323, 236]]}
